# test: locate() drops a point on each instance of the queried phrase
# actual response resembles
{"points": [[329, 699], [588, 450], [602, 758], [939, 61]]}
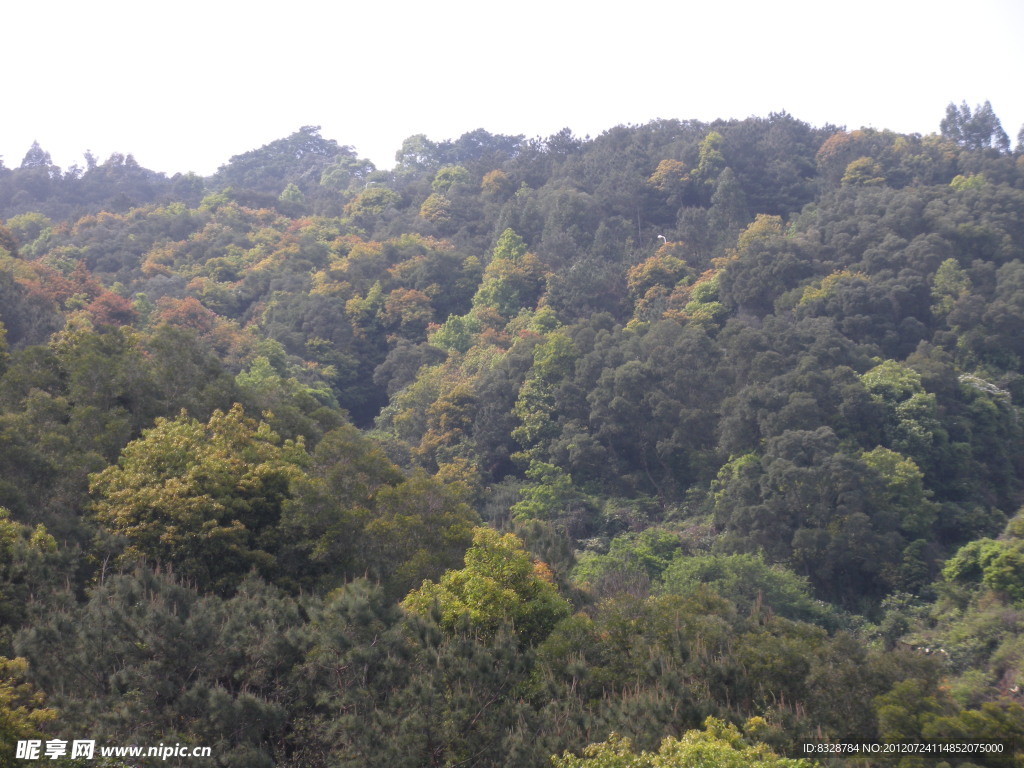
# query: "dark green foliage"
{"points": [[146, 660], [979, 129], [396, 691], [354, 513], [300, 159], [805, 502], [32, 570]]}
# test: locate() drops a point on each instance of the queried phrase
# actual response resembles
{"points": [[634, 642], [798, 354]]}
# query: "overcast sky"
{"points": [[185, 85]]}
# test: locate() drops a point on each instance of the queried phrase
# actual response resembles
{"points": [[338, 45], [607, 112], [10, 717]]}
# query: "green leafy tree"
{"points": [[747, 580], [513, 280], [995, 564], [950, 283], [535, 407], [500, 585], [437, 209], [710, 161], [863, 172], [912, 427], [449, 176], [421, 527], [551, 495], [204, 499], [369, 204], [33, 568], [822, 511]]}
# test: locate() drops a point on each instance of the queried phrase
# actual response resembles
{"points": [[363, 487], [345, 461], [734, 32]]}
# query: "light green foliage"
{"points": [[762, 229], [292, 194], [912, 427], [864, 171], [972, 181], [671, 178], [510, 246], [663, 269], [704, 306], [536, 404], [513, 280], [719, 745], [746, 580], [456, 333], [550, 495], [26, 228], [651, 550], [345, 171], [500, 585], [449, 176], [260, 377], [732, 472], [646, 554], [710, 161], [892, 382], [974, 629], [203, 498], [902, 489], [904, 710], [996, 564], [417, 153], [365, 310], [553, 359], [950, 283], [544, 320], [534, 409]]}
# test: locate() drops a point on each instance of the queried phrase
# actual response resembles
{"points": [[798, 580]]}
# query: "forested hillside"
{"points": [[702, 431]]}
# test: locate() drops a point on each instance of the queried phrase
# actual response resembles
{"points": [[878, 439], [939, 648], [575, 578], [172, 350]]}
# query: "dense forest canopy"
{"points": [[690, 441]]}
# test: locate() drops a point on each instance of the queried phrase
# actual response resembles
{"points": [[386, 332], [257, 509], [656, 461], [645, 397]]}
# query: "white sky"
{"points": [[184, 85]]}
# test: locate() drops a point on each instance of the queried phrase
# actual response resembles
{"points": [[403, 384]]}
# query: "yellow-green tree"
{"points": [[718, 746], [21, 709], [500, 585], [203, 499], [513, 280]]}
